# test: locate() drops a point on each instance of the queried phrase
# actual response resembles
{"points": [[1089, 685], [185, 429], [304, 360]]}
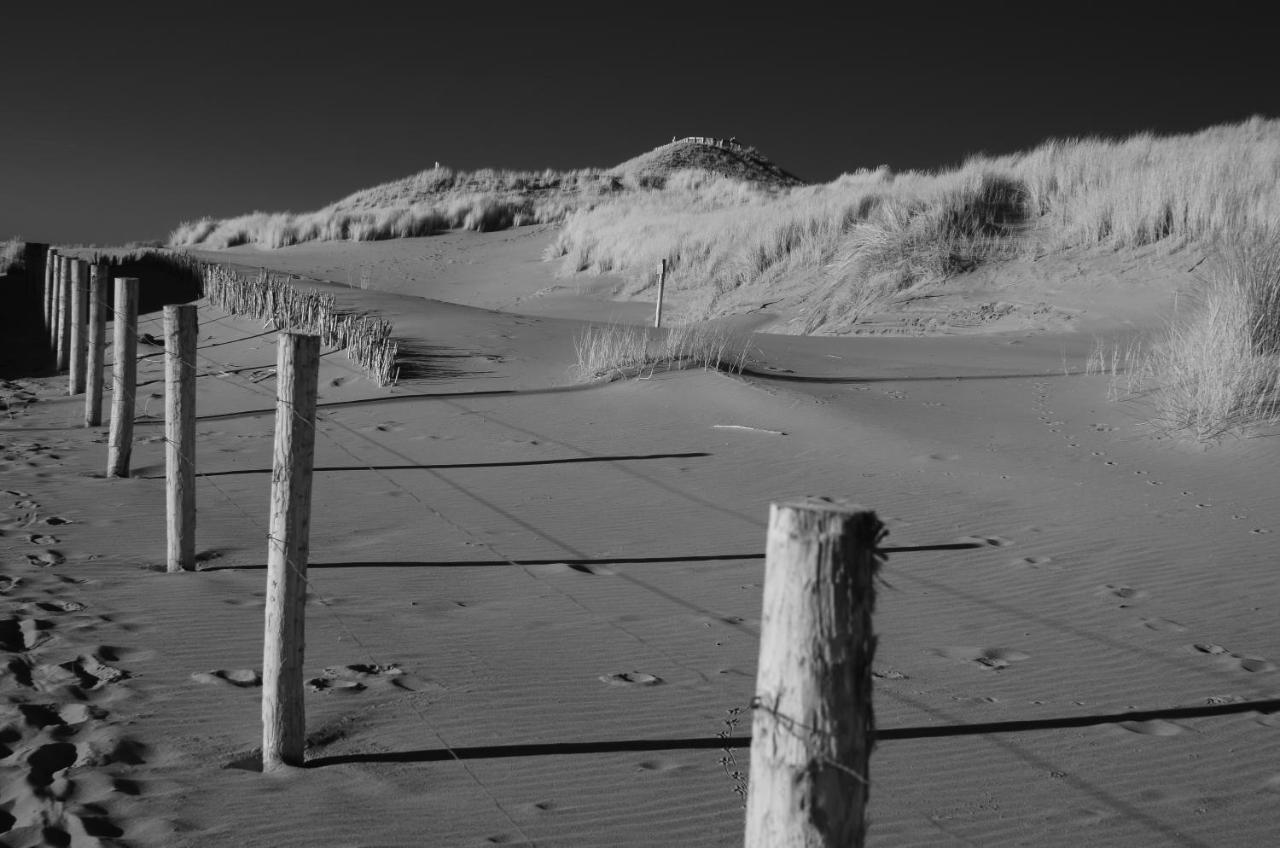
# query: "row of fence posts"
{"points": [[75, 307], [812, 724]]}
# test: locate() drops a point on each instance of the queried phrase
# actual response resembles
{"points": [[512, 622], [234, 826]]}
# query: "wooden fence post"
{"points": [[180, 330], [79, 325], [124, 376], [50, 291], [283, 715], [63, 339], [662, 285], [812, 725], [97, 344]]}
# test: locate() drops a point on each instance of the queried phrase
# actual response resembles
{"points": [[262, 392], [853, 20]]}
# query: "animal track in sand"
{"points": [[993, 659], [37, 539], [631, 678], [244, 678]]}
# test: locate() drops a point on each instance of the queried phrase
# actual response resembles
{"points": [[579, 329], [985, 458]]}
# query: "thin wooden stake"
{"points": [[62, 341], [124, 376], [180, 329], [79, 326], [98, 308], [288, 547], [662, 286], [812, 727]]}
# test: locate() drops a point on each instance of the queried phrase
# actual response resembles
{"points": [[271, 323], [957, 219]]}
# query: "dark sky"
{"points": [[118, 124]]}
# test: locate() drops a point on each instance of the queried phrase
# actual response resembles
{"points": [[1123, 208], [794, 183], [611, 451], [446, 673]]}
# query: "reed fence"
{"points": [[365, 338]]}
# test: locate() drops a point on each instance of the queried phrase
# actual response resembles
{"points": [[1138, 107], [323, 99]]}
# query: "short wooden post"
{"points": [[812, 725], [124, 376], [662, 285], [283, 716], [79, 325], [180, 329], [63, 338], [98, 307]]}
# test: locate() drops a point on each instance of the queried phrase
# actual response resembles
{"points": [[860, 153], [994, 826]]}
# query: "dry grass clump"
{"points": [[11, 253], [365, 338], [1218, 368], [617, 351]]}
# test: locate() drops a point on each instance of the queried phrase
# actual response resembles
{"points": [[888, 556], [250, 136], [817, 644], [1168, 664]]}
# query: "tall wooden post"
{"points": [[812, 725], [98, 308], [124, 376], [63, 338], [79, 325], [288, 546], [50, 297], [180, 329], [662, 286]]}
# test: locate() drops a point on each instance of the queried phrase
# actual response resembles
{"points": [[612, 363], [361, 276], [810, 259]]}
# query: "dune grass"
{"points": [[1217, 369], [839, 249], [616, 351], [426, 203]]}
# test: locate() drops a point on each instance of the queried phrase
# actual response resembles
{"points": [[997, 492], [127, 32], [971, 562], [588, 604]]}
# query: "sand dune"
{"points": [[535, 607]]}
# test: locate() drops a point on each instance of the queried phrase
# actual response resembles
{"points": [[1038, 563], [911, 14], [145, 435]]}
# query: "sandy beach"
{"points": [[535, 604]]}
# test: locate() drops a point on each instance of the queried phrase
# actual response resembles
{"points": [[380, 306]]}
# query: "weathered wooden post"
{"points": [[662, 285], [180, 329], [50, 291], [63, 339], [97, 344], [79, 325], [124, 376], [812, 725], [283, 716]]}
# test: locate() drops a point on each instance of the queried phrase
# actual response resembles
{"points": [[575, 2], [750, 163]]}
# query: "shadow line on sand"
{"points": [[937, 378], [543, 749], [338, 404], [458, 465], [583, 565]]}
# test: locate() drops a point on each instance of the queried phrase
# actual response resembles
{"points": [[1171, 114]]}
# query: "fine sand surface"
{"points": [[535, 607]]}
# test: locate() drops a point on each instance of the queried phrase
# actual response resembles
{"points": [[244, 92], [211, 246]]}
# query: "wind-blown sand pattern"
{"points": [[534, 609]]}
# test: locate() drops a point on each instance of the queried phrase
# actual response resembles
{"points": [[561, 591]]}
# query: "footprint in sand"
{"points": [[1032, 561], [993, 659], [1154, 727], [1123, 593], [37, 539], [1163, 625], [631, 678], [987, 541], [562, 568], [244, 678], [44, 559], [350, 679], [1234, 661]]}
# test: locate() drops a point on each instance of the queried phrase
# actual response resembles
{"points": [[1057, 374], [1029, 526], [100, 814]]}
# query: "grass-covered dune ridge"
{"points": [[845, 245], [441, 198]]}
